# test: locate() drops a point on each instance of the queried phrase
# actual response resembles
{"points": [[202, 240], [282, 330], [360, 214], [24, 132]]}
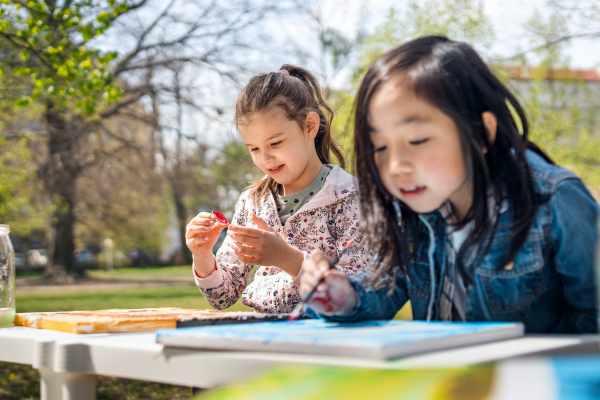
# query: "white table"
{"points": [[69, 363]]}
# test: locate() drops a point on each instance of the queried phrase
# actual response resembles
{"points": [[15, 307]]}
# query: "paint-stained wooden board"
{"points": [[129, 320]]}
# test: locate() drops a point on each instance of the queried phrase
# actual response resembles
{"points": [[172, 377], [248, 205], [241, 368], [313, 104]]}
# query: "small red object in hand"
{"points": [[220, 217]]}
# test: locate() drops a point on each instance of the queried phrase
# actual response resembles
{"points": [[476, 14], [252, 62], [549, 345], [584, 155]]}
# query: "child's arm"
{"points": [[223, 286], [574, 233], [201, 234], [343, 299]]}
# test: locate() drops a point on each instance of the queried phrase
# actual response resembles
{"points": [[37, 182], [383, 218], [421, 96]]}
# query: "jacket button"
{"points": [[509, 266]]}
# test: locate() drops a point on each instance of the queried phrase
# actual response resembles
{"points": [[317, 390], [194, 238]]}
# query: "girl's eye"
{"points": [[418, 142], [380, 149], [253, 150], [276, 143]]}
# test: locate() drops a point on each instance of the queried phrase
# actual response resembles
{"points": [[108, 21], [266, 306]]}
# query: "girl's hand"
{"points": [[335, 295], [264, 246], [201, 234]]}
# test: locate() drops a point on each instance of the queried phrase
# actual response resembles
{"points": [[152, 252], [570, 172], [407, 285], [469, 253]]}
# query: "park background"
{"points": [[117, 124]]}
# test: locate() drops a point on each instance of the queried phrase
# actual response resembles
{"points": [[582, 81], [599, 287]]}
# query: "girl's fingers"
{"points": [[196, 242], [248, 240], [308, 282], [201, 221], [322, 287], [317, 257], [246, 231], [197, 231], [323, 265], [260, 223], [243, 250], [246, 259]]}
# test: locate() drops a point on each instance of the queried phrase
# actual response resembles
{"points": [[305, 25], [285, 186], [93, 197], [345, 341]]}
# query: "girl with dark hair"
{"points": [[303, 203], [470, 220]]}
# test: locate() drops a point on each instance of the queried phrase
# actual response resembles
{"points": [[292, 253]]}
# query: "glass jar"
{"points": [[7, 278]]}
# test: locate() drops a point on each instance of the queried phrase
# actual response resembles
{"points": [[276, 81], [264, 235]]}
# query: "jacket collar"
{"points": [[338, 185]]}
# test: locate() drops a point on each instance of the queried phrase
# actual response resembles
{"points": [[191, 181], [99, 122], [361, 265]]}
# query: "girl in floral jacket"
{"points": [[303, 203]]}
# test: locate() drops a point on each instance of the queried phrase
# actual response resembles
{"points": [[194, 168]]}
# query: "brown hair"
{"points": [[298, 94]]}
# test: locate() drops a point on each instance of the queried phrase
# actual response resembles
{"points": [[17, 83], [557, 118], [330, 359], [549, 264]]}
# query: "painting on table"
{"points": [[129, 320], [560, 378], [374, 339]]}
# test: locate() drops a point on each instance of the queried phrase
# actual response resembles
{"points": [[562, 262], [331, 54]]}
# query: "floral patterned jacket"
{"points": [[326, 222]]}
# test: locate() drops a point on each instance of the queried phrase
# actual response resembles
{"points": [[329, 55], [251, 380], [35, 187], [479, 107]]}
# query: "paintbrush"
{"points": [[300, 306]]}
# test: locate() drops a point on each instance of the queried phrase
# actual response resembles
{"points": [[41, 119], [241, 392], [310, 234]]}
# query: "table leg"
{"points": [[66, 386]]}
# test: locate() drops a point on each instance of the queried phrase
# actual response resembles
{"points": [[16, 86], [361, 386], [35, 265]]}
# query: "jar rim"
{"points": [[4, 229]]}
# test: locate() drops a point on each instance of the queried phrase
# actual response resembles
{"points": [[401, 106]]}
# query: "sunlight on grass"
{"points": [[143, 273], [178, 296]]}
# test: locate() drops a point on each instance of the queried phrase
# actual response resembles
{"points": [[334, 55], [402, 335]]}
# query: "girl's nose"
{"points": [[400, 164], [266, 157]]}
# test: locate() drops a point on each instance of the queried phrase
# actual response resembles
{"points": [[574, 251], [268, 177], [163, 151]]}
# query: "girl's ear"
{"points": [[490, 122], [312, 124]]}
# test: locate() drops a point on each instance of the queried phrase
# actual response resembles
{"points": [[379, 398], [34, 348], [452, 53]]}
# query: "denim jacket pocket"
{"points": [[512, 287], [418, 281]]}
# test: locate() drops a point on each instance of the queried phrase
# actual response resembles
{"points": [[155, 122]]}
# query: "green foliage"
{"points": [[130, 210], [561, 107], [18, 188], [457, 19], [234, 167], [337, 45], [546, 40], [232, 171], [48, 45], [343, 123], [566, 127]]}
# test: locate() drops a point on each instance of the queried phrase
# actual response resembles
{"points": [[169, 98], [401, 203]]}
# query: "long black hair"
{"points": [[452, 77]]}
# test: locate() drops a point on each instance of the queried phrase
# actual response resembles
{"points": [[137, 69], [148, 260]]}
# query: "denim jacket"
{"points": [[550, 286]]}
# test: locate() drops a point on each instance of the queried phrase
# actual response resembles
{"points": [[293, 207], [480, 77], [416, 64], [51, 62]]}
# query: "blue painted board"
{"points": [[377, 339]]}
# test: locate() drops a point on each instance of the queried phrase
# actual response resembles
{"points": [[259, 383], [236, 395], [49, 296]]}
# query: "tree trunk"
{"points": [[59, 174], [181, 218]]}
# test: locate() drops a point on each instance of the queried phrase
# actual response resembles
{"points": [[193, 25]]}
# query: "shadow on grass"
{"points": [[21, 382]]}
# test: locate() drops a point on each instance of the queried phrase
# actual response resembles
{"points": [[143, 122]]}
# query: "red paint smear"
{"points": [[220, 217], [325, 302]]}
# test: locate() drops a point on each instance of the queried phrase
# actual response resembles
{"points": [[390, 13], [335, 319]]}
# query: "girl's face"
{"points": [[282, 149], [418, 151]]}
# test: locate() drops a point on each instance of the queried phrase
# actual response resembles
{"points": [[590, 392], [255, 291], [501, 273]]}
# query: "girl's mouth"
{"points": [[276, 169], [412, 192]]}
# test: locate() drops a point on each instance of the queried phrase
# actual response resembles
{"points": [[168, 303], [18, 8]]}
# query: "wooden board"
{"points": [[129, 320]]}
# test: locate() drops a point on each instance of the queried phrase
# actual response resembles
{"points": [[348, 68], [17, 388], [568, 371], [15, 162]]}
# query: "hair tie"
{"points": [[283, 72]]}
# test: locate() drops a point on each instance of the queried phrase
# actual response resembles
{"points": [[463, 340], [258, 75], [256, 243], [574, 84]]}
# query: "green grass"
{"points": [[143, 273], [126, 273], [173, 296], [29, 274]]}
